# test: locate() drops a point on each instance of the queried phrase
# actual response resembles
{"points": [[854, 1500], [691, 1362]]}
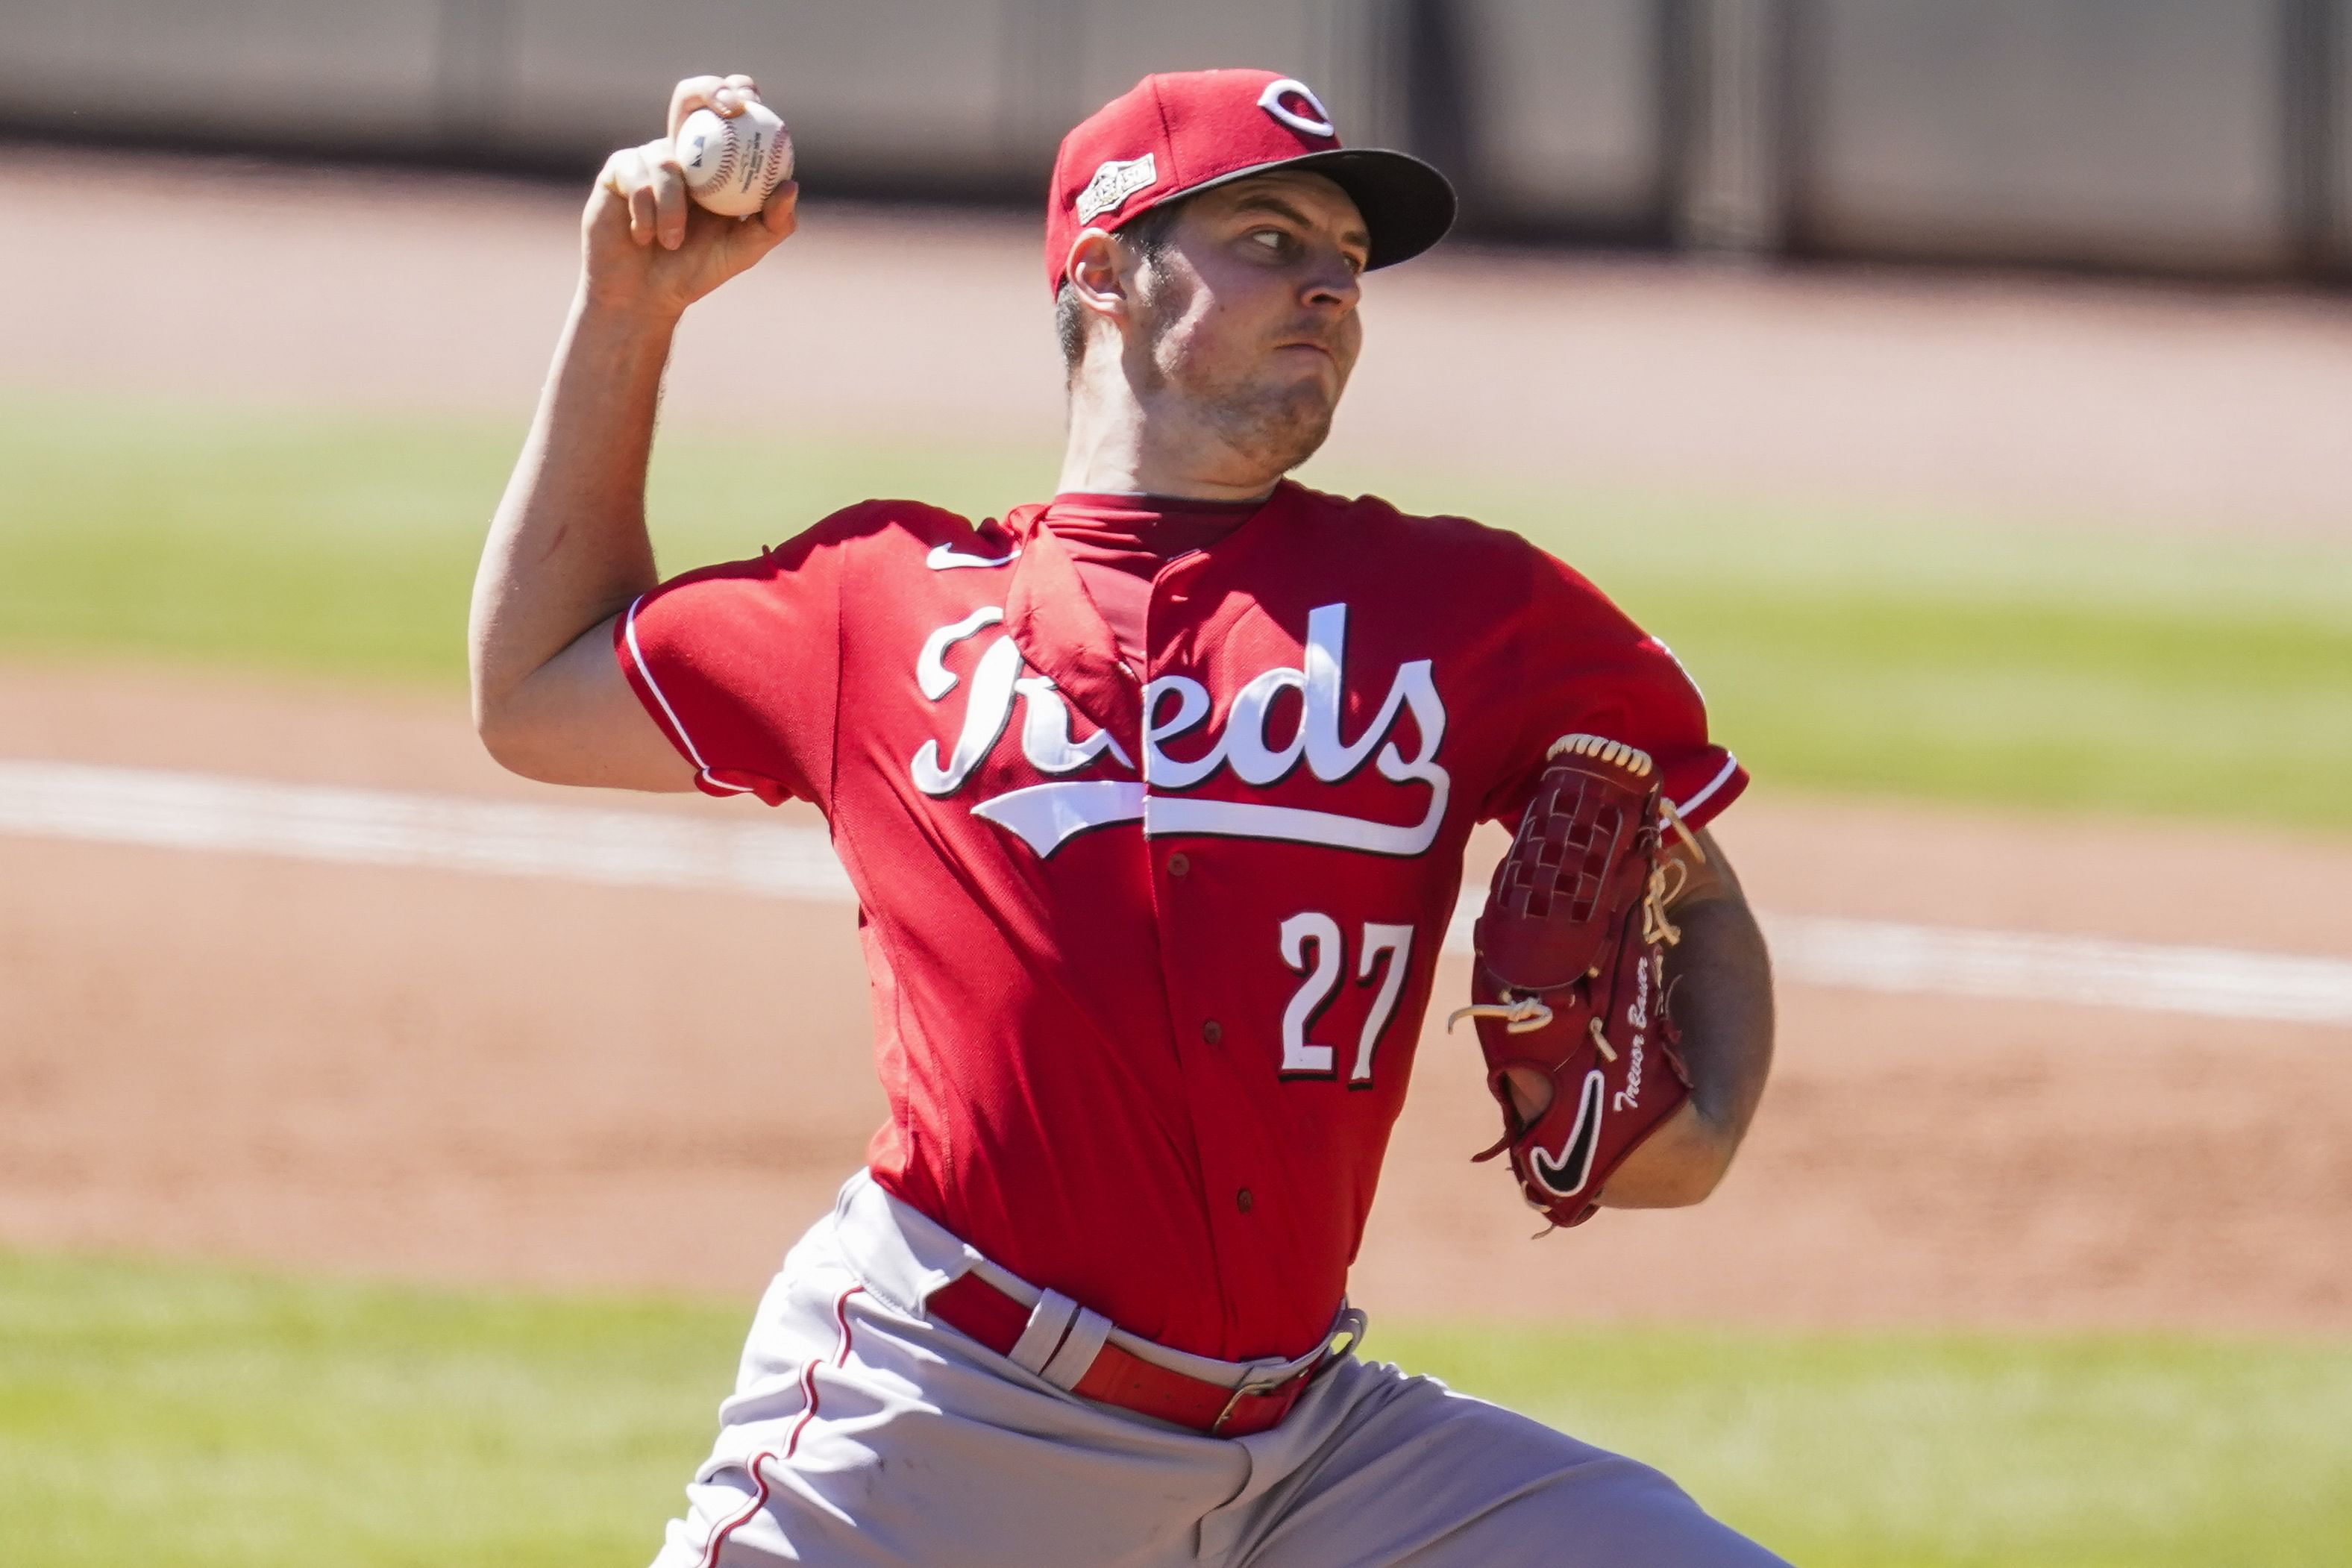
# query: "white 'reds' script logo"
{"points": [[1113, 182], [1044, 815]]}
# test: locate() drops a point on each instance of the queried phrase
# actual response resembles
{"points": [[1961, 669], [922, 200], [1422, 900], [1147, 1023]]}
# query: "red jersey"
{"points": [[1151, 945]]}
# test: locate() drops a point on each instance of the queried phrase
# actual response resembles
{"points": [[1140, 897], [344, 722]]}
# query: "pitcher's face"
{"points": [[1249, 311]]}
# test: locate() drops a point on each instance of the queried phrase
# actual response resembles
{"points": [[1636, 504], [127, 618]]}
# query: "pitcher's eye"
{"points": [[1272, 239]]}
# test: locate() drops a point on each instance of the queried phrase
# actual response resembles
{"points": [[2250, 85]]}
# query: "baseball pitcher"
{"points": [[1154, 793]]}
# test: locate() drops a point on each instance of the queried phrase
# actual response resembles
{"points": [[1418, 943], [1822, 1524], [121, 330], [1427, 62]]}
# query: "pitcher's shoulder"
{"points": [[909, 532], [1373, 521]]}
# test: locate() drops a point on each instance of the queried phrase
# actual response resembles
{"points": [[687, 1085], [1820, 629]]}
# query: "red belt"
{"points": [[973, 1306]]}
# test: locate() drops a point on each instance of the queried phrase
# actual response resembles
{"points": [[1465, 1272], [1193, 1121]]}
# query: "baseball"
{"points": [[731, 165]]}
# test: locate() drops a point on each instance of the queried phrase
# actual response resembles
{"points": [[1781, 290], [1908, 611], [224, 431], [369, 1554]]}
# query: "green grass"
{"points": [[1892, 1450], [157, 1414], [171, 1415], [1988, 661], [345, 545]]}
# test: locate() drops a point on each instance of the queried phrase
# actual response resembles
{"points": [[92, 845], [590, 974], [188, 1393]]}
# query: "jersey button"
{"points": [[1213, 1032], [1242, 1200], [1179, 864]]}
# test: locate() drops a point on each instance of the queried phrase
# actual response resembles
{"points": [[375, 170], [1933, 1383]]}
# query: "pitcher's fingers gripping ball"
{"points": [[733, 162], [1569, 989]]}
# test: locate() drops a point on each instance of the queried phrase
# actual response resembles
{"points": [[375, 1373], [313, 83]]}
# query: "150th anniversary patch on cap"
{"points": [[1172, 134], [1113, 182]]}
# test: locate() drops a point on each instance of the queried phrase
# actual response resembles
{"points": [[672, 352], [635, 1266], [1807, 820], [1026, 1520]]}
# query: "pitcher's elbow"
{"points": [[503, 732], [1693, 1184], [1681, 1165]]}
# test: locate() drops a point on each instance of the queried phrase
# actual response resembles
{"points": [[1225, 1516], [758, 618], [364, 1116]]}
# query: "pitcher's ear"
{"points": [[1093, 269]]}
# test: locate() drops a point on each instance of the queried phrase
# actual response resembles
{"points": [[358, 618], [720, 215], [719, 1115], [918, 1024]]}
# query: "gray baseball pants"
{"points": [[863, 1433]]}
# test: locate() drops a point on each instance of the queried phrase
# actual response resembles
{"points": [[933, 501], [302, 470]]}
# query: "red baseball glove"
{"points": [[1569, 986]]}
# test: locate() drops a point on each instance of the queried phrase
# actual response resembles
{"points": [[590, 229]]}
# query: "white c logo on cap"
{"points": [[1271, 101]]}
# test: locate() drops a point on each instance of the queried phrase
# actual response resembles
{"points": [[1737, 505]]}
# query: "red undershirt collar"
{"points": [[1164, 526]]}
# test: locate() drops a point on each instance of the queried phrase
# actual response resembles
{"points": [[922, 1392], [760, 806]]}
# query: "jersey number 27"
{"points": [[1312, 946]]}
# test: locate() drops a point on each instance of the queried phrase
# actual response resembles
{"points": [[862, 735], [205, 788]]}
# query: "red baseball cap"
{"points": [[1182, 132]]}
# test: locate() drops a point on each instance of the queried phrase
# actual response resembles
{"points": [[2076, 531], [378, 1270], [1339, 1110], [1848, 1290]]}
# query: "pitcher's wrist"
{"points": [[611, 317]]}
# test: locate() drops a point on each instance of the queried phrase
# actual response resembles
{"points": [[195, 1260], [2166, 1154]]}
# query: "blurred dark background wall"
{"points": [[2202, 137]]}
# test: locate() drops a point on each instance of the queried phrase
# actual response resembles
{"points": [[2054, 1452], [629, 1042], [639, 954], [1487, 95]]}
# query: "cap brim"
{"points": [[1406, 203]]}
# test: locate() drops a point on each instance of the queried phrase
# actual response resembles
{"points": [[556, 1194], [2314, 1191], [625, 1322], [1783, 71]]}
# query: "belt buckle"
{"points": [[1252, 1389], [1233, 1402]]}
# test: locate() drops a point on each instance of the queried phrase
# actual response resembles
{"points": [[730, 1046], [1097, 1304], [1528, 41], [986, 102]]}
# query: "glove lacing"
{"points": [[1525, 1014]]}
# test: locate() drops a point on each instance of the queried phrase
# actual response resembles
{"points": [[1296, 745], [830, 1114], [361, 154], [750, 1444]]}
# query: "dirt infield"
{"points": [[422, 1074]]}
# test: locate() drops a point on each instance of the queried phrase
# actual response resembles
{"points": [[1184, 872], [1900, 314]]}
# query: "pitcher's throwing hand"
{"points": [[648, 243]]}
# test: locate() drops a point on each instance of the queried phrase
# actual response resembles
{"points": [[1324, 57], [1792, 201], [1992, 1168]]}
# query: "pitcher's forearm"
{"points": [[567, 549], [568, 546], [1723, 998], [1720, 980]]}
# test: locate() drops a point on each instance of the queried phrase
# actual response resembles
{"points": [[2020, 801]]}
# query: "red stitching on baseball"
{"points": [[725, 174]]}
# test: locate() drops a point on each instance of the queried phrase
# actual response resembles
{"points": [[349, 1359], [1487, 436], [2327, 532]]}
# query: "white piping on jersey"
{"points": [[1730, 766], [947, 558], [629, 631]]}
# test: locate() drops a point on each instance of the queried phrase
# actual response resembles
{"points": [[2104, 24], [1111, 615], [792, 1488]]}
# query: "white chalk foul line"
{"points": [[1901, 959], [641, 849], [442, 833]]}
